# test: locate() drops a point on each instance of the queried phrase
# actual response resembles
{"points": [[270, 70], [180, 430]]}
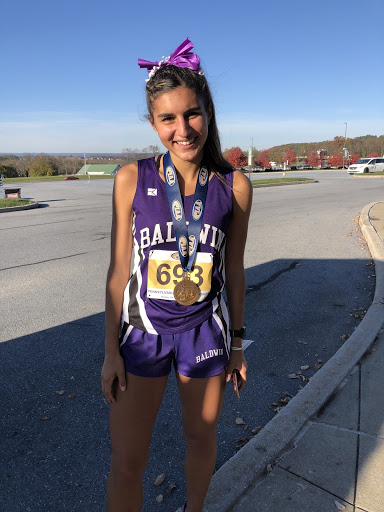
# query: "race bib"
{"points": [[165, 271]]}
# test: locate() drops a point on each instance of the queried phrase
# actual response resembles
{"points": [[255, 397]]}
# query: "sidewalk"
{"points": [[338, 462], [324, 451]]}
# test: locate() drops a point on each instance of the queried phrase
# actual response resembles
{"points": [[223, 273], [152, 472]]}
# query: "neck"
{"points": [[186, 174], [187, 169]]}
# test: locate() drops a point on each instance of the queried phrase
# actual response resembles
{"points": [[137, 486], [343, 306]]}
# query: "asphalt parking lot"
{"points": [[308, 282]]}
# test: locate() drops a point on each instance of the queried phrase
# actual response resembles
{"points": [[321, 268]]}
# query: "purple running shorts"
{"points": [[200, 352]]}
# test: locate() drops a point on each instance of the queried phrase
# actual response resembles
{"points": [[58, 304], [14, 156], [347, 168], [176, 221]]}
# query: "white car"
{"points": [[375, 164]]}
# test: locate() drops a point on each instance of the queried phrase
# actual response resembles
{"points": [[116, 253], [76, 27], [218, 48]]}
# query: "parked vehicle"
{"points": [[71, 178], [365, 165]]}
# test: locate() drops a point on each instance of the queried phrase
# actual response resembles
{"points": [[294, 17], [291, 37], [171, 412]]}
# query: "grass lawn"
{"points": [[279, 180], [9, 181], [7, 202]]}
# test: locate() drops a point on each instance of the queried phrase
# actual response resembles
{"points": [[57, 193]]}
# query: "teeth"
{"points": [[185, 143]]}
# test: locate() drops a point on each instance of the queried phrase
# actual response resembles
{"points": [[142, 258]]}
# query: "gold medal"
{"points": [[186, 292]]}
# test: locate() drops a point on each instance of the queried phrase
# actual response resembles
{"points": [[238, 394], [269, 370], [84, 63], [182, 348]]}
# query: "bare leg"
{"points": [[131, 423], [202, 400]]}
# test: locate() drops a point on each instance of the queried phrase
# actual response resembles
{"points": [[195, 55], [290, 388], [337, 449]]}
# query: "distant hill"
{"points": [[362, 145], [72, 162]]}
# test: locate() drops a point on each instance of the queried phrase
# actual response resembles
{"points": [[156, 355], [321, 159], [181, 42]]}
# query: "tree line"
{"points": [[309, 153], [12, 166]]}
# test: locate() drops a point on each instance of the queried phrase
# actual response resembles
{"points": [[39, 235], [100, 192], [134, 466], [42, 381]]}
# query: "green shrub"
{"points": [[8, 171]]}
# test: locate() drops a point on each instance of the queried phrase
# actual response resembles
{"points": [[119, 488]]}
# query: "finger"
{"points": [[109, 395], [107, 388], [228, 376], [243, 381], [122, 380], [243, 370]]}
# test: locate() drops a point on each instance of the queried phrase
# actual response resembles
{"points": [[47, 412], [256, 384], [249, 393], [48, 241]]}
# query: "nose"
{"points": [[183, 128]]}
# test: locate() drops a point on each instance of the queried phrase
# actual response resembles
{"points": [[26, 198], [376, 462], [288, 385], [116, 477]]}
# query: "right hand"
{"points": [[112, 374]]}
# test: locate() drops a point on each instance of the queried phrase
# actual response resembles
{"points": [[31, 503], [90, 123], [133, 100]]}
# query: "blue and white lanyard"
{"points": [[187, 237]]}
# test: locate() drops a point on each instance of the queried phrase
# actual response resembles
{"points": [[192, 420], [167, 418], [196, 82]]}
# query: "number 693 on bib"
{"points": [[165, 271]]}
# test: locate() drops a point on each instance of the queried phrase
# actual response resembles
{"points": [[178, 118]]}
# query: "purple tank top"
{"points": [[153, 231]]}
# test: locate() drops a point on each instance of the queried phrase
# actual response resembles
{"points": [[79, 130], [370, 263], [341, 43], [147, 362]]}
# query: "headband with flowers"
{"points": [[182, 57]]}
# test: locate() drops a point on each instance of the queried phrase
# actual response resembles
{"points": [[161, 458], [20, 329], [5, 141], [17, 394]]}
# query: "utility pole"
{"points": [[345, 144], [250, 159]]}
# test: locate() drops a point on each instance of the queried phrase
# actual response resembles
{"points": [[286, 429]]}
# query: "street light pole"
{"points": [[251, 160], [345, 143], [252, 152], [348, 154]]}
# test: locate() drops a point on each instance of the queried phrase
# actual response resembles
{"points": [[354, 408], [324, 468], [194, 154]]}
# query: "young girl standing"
{"points": [[178, 235]]}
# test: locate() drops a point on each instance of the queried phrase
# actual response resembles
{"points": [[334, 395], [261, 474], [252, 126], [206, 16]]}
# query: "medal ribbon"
{"points": [[187, 237]]}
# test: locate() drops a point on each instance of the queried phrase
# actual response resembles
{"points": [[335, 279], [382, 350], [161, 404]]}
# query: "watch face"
{"points": [[237, 333]]}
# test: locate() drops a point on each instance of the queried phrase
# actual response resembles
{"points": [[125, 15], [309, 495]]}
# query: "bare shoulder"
{"points": [[125, 186], [242, 190], [241, 182], [127, 175], [242, 194]]}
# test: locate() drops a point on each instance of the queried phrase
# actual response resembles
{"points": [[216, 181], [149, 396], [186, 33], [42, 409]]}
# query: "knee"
{"points": [[127, 466], [202, 435]]}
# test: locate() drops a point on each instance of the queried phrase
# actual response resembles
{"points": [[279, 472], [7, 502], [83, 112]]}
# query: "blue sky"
{"points": [[280, 72]]}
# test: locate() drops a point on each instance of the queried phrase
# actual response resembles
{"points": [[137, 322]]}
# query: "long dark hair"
{"points": [[170, 77]]}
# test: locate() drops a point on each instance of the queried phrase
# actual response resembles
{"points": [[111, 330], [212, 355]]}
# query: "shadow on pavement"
{"points": [[54, 433]]}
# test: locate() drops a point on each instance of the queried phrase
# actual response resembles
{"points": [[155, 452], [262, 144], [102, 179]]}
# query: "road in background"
{"points": [[309, 280], [306, 173], [54, 259]]}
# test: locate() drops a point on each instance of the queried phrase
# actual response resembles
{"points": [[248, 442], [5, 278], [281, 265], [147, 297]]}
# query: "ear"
{"points": [[150, 119]]}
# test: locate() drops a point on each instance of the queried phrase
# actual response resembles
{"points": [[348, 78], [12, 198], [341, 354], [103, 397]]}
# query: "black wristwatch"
{"points": [[237, 333]]}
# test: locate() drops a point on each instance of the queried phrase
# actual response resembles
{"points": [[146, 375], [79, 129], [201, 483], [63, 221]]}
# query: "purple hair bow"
{"points": [[181, 57]]}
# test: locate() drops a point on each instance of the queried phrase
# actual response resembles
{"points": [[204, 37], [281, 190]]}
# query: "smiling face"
{"points": [[181, 122]]}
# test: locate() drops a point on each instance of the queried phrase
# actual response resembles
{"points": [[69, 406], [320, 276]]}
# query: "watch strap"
{"points": [[237, 333]]}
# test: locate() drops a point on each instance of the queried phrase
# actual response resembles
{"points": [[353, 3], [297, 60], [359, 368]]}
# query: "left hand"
{"points": [[237, 361]]}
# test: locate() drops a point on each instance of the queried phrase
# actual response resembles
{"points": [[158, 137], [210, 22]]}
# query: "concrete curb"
{"points": [[366, 176], [237, 475], [375, 245], [262, 185], [18, 208]]}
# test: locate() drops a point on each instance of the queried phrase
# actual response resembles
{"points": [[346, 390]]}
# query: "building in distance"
{"points": [[99, 169]]}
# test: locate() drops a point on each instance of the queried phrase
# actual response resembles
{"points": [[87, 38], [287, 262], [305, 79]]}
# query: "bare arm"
{"points": [[234, 267], [118, 275]]}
